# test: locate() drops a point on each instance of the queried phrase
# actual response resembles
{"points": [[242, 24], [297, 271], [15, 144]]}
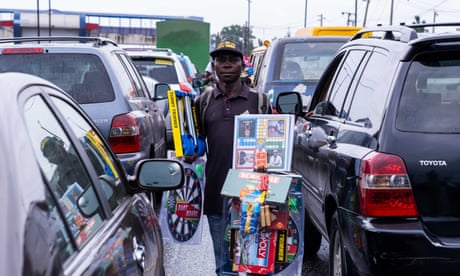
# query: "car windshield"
{"points": [[162, 70], [83, 76], [431, 94], [306, 61]]}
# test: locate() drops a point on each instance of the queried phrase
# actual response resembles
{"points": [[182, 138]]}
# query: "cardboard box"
{"points": [[255, 253], [278, 185]]}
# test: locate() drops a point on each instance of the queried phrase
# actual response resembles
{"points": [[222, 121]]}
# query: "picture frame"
{"points": [[267, 132]]}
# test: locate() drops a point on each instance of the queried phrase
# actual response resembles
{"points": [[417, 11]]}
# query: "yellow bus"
{"points": [[327, 31], [255, 58]]}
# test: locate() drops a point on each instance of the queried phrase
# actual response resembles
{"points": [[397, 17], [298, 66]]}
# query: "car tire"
{"points": [[337, 260], [311, 237]]}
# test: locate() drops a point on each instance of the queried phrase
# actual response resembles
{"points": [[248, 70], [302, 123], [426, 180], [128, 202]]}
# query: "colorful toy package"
{"points": [[255, 253]]}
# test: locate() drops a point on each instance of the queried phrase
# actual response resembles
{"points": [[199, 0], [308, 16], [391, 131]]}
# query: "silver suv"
{"points": [[101, 77]]}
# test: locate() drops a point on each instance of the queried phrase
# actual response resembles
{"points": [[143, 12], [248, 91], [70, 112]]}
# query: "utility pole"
{"points": [[321, 19], [305, 17], [348, 14], [356, 13], [249, 28], [49, 17], [391, 12], [38, 18], [365, 13], [435, 13]]}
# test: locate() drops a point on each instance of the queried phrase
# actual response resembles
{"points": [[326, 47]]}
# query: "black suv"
{"points": [[102, 78], [379, 155]]}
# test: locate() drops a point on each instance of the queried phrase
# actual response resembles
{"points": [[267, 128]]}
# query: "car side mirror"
{"points": [[289, 103], [197, 82], [160, 174], [161, 91], [88, 203]]}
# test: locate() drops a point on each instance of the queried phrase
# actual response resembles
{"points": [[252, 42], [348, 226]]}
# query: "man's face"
{"points": [[228, 67]]}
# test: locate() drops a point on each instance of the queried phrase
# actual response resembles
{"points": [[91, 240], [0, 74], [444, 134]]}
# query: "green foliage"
{"points": [[235, 33], [419, 21]]}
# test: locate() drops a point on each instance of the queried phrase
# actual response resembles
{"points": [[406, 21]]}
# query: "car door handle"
{"points": [[139, 254]]}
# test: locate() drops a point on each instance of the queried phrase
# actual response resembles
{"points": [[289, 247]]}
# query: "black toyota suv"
{"points": [[379, 154]]}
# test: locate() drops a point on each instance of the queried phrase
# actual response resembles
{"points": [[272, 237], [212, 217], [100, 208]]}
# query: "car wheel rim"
{"points": [[337, 257]]}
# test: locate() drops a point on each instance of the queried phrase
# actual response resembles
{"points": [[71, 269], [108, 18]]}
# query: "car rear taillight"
{"points": [[125, 134], [385, 189], [184, 87], [21, 51]]}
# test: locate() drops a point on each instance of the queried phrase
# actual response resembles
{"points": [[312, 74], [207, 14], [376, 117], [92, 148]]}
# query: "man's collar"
{"points": [[244, 92]]}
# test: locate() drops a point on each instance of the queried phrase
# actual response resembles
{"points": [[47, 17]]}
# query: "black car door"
{"points": [[112, 232], [325, 124]]}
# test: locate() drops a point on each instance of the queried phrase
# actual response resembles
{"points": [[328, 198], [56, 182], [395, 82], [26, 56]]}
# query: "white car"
{"points": [[164, 66]]}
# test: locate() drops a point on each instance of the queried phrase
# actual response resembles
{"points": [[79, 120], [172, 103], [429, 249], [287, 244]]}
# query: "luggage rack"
{"points": [[151, 48], [98, 41], [402, 32]]}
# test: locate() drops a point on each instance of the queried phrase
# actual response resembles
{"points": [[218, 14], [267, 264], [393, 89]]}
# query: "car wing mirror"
{"points": [[88, 203], [289, 103], [159, 174], [161, 91]]}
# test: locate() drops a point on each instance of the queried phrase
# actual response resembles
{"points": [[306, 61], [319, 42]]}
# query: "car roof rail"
{"points": [[442, 24], [401, 33], [98, 41], [169, 51]]}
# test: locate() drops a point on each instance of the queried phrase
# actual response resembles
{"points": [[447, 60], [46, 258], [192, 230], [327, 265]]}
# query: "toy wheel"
{"points": [[184, 208]]}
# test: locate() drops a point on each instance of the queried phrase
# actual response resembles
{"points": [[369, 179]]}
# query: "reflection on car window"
{"points": [[61, 167], [95, 149], [343, 80], [366, 107], [162, 70], [138, 87], [83, 76], [431, 94], [306, 60]]}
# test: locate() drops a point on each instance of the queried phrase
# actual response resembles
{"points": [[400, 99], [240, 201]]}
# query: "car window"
{"points": [[161, 69], [431, 91], [63, 170], [185, 66], [136, 82], [83, 76], [342, 82], [306, 61], [367, 105], [97, 152]]}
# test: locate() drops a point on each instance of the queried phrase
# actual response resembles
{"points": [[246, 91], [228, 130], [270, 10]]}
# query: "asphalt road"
{"points": [[198, 260]]}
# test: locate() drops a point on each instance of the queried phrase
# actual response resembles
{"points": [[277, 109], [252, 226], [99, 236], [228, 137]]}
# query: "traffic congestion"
{"points": [[172, 151]]}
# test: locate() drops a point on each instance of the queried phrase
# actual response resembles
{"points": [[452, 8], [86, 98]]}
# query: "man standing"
{"points": [[230, 97]]}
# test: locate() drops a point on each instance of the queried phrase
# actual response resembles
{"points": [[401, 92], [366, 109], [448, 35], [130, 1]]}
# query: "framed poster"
{"points": [[267, 132]]}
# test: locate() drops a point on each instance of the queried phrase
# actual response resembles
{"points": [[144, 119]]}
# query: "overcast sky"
{"points": [[268, 18]]}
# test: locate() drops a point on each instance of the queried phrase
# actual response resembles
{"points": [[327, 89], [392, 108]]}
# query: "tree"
{"points": [[235, 33], [418, 21]]}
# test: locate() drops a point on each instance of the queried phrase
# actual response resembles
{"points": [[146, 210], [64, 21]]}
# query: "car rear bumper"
{"points": [[395, 247]]}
